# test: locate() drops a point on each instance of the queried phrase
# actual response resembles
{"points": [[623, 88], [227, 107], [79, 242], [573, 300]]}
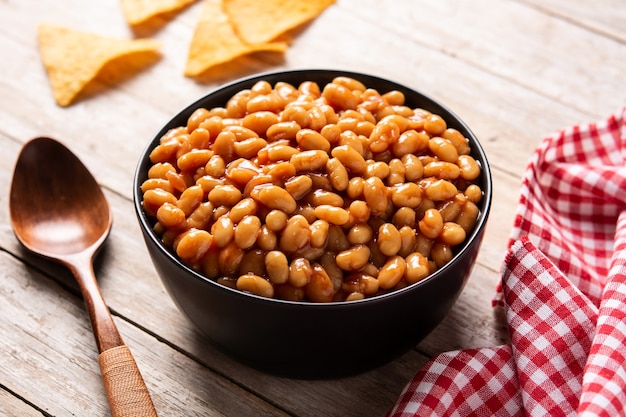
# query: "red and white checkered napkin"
{"points": [[563, 290]]}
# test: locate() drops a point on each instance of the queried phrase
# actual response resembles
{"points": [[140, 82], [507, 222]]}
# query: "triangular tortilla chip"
{"points": [[73, 58], [215, 42], [263, 21], [138, 12]]}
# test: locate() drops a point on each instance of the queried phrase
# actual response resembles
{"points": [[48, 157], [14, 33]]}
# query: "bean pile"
{"points": [[332, 193]]}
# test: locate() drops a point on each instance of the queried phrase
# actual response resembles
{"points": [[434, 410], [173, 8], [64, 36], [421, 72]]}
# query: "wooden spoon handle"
{"points": [[127, 392]]}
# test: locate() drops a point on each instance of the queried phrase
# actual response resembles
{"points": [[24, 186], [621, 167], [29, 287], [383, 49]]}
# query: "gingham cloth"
{"points": [[563, 290]]}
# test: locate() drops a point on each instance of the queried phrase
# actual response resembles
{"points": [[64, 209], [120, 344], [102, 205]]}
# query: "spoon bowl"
{"points": [[62, 211], [59, 211]]}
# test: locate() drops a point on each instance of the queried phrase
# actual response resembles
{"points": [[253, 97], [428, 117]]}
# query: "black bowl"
{"points": [[304, 339]]}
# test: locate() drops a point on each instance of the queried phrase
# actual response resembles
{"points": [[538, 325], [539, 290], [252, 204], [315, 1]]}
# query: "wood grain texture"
{"points": [[514, 70]]}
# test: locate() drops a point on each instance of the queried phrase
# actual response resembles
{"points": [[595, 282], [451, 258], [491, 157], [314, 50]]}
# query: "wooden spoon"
{"points": [[59, 211]]}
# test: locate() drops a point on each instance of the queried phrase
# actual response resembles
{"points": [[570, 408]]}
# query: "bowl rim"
{"points": [[243, 82]]}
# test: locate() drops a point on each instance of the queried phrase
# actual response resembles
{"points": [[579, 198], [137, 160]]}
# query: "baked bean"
{"points": [[199, 138], [317, 193], [280, 171], [451, 208], [321, 197], [337, 173], [300, 272], [259, 121], [282, 130], [295, 112], [265, 102], [309, 139], [320, 287], [404, 216], [154, 183], [389, 239], [440, 190], [443, 149], [431, 224], [274, 197], [179, 181], [158, 170], [319, 233], [296, 234], [267, 239], [435, 125], [441, 254], [223, 231], [452, 234], [210, 266], [468, 167], [277, 267], [298, 186], [349, 120], [281, 152], [253, 262], [332, 214], [229, 259], [394, 97], [360, 233], [249, 148], [359, 211], [215, 166], [383, 136], [197, 117], [377, 169], [331, 133], [339, 96], [458, 140], [408, 240], [354, 296], [392, 272], [276, 220], [224, 145], [351, 139], [192, 245], [225, 195], [407, 194], [213, 125], [442, 169], [208, 182], [194, 159], [468, 216], [201, 216], [413, 168], [350, 83], [473, 193], [309, 160], [328, 262], [375, 193], [354, 258], [246, 231], [256, 285], [350, 158], [190, 199], [288, 292], [316, 118], [417, 268], [423, 244]]}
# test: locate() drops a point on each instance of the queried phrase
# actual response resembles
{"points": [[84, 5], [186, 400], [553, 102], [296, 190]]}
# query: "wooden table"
{"points": [[514, 70]]}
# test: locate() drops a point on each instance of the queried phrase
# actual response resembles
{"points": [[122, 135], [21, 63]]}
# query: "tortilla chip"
{"points": [[215, 42], [263, 21], [73, 58], [138, 12]]}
